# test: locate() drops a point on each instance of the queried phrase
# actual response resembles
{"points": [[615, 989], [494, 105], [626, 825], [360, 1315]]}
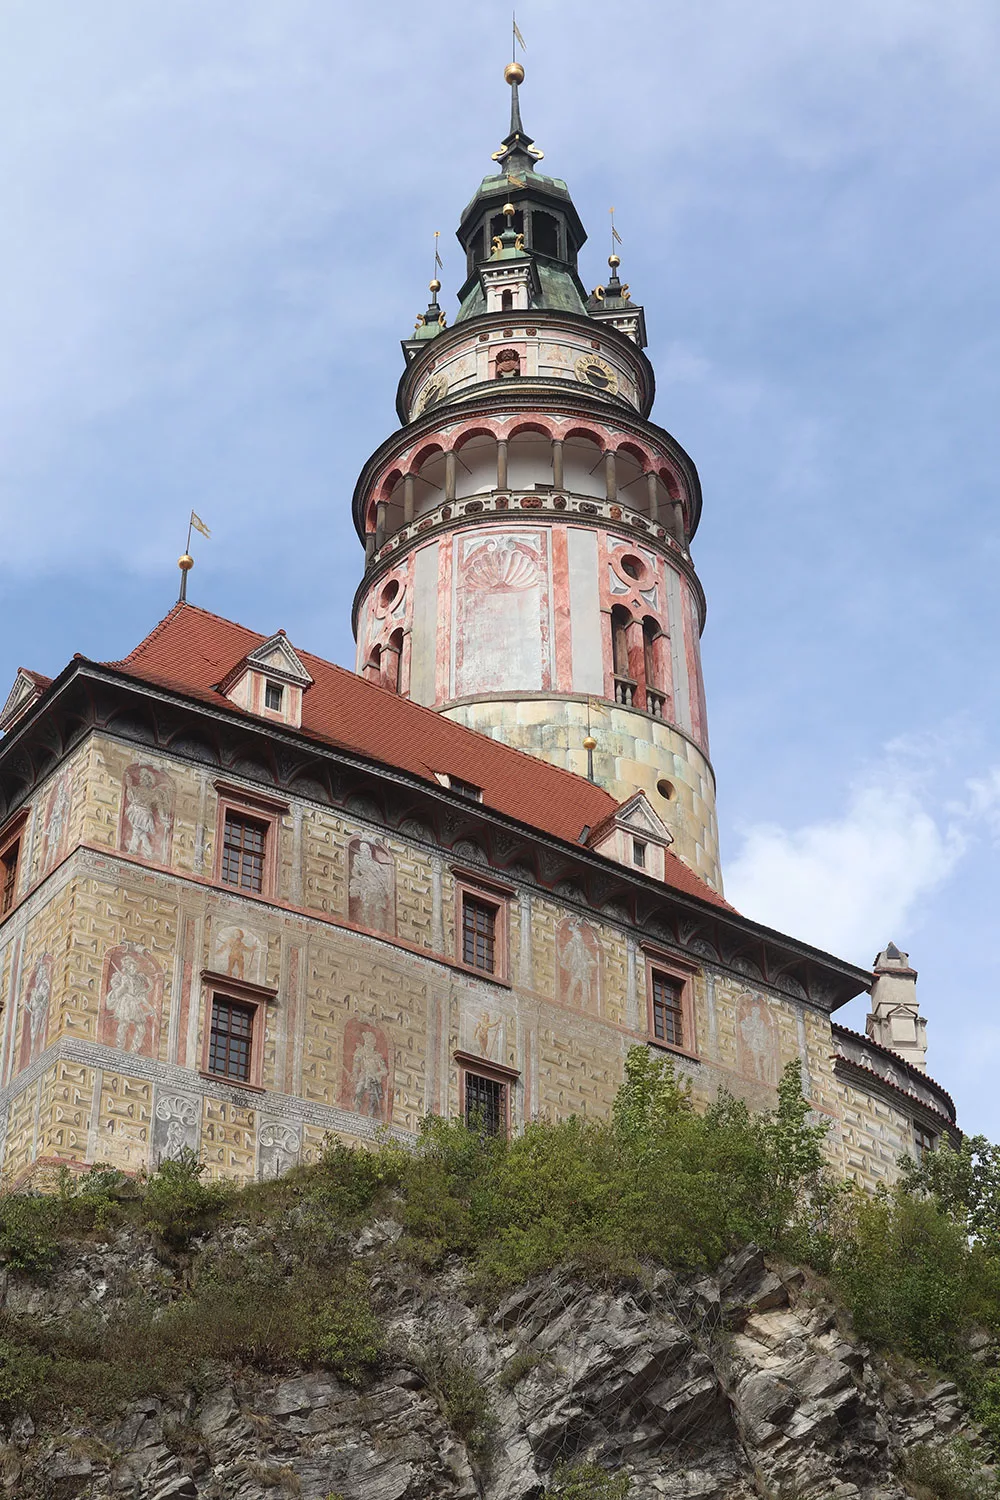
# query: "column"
{"points": [[610, 476], [501, 463], [557, 463], [408, 498], [678, 526], [449, 475], [654, 499], [380, 510]]}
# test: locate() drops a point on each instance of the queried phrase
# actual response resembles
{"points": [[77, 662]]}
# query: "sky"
{"points": [[218, 224]]}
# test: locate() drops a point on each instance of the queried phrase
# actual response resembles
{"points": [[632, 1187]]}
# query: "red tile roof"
{"points": [[192, 650]]}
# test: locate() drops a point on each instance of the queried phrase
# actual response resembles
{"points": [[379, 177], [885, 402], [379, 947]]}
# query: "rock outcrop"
{"points": [[735, 1385]]}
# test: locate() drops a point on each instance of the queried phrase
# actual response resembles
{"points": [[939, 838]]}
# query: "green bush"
{"points": [[28, 1233], [461, 1397], [23, 1375], [345, 1334], [950, 1471], [177, 1205], [586, 1482]]}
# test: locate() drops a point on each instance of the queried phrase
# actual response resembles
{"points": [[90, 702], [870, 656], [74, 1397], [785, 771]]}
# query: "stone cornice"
{"points": [[90, 696]]}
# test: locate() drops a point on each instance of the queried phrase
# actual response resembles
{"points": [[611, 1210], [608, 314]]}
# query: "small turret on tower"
{"points": [[894, 1020]]}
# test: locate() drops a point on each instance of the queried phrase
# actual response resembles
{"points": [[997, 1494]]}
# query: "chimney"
{"points": [[894, 1020]]}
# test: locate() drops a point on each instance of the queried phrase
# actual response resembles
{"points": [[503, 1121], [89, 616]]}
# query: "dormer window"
{"points": [[635, 835], [269, 681], [462, 788]]}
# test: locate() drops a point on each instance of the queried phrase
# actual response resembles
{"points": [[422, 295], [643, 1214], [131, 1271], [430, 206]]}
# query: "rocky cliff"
{"points": [[743, 1383]]}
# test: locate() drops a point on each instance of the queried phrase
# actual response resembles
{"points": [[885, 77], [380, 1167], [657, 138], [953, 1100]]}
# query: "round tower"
{"points": [[527, 529]]}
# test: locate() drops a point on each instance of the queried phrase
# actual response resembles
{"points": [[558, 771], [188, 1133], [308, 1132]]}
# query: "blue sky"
{"points": [[218, 224]]}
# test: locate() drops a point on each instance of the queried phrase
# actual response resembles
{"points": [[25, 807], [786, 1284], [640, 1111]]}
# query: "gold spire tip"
{"points": [[590, 743], [185, 562], [514, 73], [614, 261], [509, 209], [435, 286]]}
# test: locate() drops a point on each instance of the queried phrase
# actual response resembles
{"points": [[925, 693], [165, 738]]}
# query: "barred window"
{"points": [[485, 1104], [231, 1036], [668, 1016], [8, 875], [243, 843], [479, 927]]}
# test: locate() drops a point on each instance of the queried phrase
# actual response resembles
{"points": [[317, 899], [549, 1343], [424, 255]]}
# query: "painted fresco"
{"points": [[756, 1039], [484, 1033], [35, 1024], [132, 1000], [578, 965], [502, 634], [239, 953], [366, 1085], [176, 1126], [147, 819], [55, 824], [371, 886]]}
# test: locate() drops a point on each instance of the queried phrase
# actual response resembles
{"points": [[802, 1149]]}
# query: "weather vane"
{"points": [[186, 562]]}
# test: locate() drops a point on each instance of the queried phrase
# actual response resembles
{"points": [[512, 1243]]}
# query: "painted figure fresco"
{"points": [[133, 993], [55, 828], [487, 1035], [147, 813], [176, 1126], [578, 964], [367, 1080], [756, 1039], [371, 886], [239, 952], [35, 1025]]}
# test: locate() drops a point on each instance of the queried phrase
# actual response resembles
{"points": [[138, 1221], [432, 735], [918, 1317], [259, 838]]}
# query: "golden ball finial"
{"points": [[509, 210], [185, 562], [435, 286], [614, 261], [590, 743], [514, 73]]}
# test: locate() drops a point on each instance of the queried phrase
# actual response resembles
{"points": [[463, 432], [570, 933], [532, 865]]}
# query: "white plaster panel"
{"points": [[678, 656], [585, 611], [423, 636]]}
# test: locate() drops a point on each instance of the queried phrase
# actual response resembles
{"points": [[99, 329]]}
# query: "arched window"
{"points": [[624, 683], [507, 301], [392, 654], [651, 657]]}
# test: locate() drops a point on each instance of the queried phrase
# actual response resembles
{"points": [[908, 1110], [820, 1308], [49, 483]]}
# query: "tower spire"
{"points": [[518, 152]]}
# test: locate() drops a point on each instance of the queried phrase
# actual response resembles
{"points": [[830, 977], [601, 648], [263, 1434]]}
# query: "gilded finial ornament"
{"points": [[509, 210], [590, 743], [435, 286], [614, 261], [513, 73], [185, 562]]}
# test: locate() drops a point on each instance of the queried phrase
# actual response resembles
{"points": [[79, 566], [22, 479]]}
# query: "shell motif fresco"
{"points": [[502, 566]]}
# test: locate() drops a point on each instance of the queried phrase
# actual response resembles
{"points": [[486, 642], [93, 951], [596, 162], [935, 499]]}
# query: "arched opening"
{"points": [[652, 659], [391, 656], [476, 465], [428, 481], [507, 305], [529, 459], [373, 666], [583, 466], [632, 488], [544, 233], [498, 224], [625, 684]]}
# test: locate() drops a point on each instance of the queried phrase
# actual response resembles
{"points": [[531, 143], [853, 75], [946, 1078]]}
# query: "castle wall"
{"points": [[109, 965]]}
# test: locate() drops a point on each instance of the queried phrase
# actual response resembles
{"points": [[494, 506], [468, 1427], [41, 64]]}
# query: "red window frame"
{"points": [[666, 973], [254, 811], [480, 894], [11, 861], [473, 1071], [242, 999]]}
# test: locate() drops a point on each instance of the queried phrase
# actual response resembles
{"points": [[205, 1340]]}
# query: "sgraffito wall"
{"points": [[109, 964]]}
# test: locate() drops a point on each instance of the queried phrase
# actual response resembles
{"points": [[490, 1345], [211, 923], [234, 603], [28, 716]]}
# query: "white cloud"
{"points": [[849, 883]]}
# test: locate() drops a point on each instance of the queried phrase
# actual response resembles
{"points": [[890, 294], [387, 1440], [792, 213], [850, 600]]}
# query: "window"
{"points": [[507, 301], [639, 853], [8, 875], [924, 1140], [243, 852], [485, 1104], [479, 932], [460, 787], [274, 695], [667, 1008], [231, 1038]]}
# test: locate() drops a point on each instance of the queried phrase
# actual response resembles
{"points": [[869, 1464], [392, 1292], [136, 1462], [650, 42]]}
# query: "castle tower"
{"points": [[527, 529]]}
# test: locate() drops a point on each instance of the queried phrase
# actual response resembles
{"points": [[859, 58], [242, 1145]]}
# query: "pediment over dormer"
{"points": [[635, 835], [27, 689], [269, 681]]}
